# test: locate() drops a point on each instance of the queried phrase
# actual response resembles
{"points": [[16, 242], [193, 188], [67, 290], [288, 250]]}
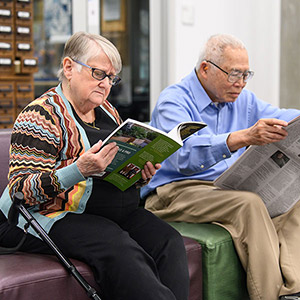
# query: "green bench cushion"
{"points": [[223, 275]]}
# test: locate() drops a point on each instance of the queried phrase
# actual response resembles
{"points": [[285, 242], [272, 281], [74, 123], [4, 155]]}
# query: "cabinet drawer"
{"points": [[6, 64], [6, 111], [6, 90], [6, 16], [24, 4], [6, 121], [21, 103], [29, 64], [6, 3], [6, 32], [24, 90], [6, 106], [24, 49], [23, 33], [23, 18], [6, 48]]}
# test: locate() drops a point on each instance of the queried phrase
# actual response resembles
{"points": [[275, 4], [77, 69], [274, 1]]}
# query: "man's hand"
{"points": [[147, 173], [149, 170], [264, 131]]}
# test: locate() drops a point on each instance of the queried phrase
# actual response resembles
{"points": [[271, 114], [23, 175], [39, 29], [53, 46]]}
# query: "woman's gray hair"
{"points": [[214, 48], [83, 46]]}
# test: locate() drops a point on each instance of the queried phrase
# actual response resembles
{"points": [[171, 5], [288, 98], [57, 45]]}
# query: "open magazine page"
{"points": [[132, 126], [185, 129], [138, 143], [272, 171]]}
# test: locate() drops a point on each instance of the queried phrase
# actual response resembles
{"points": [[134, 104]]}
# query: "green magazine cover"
{"points": [[139, 143]]}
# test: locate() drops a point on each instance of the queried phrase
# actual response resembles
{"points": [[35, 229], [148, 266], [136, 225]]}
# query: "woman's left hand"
{"points": [[149, 170]]}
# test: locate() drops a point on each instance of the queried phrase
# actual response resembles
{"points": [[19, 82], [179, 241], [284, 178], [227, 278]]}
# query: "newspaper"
{"points": [[272, 171]]}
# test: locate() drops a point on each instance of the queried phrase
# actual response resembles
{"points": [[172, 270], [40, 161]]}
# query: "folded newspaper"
{"points": [[272, 171]]}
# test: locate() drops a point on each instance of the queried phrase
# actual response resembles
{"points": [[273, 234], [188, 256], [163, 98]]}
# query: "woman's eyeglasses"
{"points": [[100, 75]]}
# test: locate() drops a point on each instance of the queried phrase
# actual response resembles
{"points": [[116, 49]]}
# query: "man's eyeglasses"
{"points": [[235, 75], [100, 75]]}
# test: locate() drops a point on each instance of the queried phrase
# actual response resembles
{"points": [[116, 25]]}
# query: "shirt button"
{"points": [[202, 166], [224, 155]]}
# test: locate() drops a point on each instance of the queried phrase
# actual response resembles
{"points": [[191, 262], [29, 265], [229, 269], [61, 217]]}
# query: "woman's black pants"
{"points": [[137, 258]]}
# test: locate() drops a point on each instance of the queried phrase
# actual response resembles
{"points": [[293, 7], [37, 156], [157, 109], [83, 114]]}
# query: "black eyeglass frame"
{"points": [[247, 75], [113, 79]]}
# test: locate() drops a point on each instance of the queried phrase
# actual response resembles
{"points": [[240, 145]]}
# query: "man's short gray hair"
{"points": [[83, 46], [214, 48]]}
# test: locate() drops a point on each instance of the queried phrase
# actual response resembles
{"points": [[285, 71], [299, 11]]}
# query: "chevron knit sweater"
{"points": [[46, 142]]}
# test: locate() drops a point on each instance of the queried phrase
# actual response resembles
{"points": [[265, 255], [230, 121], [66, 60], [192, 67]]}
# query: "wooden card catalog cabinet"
{"points": [[17, 61]]}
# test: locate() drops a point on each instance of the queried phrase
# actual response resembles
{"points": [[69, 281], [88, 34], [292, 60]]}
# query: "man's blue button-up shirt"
{"points": [[205, 155]]}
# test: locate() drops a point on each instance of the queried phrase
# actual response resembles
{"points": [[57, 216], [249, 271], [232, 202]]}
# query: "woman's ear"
{"points": [[68, 67]]}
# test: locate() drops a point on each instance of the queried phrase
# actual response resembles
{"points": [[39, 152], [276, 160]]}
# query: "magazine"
{"points": [[272, 171], [139, 143]]}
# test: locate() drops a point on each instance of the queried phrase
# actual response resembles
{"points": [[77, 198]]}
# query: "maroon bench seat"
{"points": [[26, 276], [41, 277]]}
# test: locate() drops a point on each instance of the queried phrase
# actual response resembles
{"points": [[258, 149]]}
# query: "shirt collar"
{"points": [[202, 100]]}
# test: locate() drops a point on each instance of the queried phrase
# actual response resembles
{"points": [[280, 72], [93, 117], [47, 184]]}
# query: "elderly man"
{"points": [[182, 190]]}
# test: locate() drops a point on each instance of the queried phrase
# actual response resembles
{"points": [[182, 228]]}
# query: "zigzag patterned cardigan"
{"points": [[46, 142]]}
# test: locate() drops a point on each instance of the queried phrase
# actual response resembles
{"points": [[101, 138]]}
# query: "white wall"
{"points": [[188, 24], [86, 16]]}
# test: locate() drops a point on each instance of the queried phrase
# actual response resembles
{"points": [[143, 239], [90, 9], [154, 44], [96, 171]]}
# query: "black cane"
{"points": [[17, 207]]}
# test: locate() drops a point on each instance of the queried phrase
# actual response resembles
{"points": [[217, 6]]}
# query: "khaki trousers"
{"points": [[269, 249]]}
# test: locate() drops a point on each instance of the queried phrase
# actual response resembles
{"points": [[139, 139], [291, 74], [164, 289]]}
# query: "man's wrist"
{"points": [[237, 140]]}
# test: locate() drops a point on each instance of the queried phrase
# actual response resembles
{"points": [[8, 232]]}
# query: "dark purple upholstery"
{"points": [[26, 276], [194, 255], [4, 156], [40, 277]]}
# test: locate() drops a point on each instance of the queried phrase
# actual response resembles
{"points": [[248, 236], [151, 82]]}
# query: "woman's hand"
{"points": [[149, 171], [94, 161]]}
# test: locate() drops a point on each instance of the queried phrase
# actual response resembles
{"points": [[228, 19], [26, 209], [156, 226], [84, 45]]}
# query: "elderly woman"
{"points": [[55, 148]]}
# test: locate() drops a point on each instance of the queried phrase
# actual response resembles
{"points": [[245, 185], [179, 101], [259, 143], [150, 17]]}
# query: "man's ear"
{"points": [[202, 71], [68, 67], [204, 66]]}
